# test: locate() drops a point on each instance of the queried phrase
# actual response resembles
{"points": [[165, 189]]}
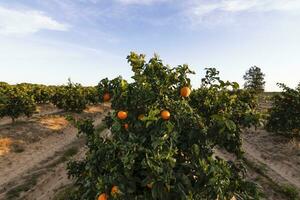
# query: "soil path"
{"points": [[51, 182], [15, 167], [283, 168]]}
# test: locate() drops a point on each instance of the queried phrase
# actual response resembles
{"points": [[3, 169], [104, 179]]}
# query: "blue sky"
{"points": [[87, 40]]}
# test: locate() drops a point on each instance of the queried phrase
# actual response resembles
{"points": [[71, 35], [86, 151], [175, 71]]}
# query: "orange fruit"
{"points": [[106, 97], [126, 126], [103, 196], [115, 190], [141, 116], [122, 115], [165, 114], [185, 91]]}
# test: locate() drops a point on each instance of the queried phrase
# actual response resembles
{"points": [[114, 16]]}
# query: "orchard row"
{"points": [[21, 99]]}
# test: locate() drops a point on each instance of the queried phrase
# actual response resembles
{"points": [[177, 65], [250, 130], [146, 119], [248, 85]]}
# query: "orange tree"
{"points": [[15, 101], [225, 110], [161, 146], [42, 94], [91, 94], [70, 97], [284, 115]]}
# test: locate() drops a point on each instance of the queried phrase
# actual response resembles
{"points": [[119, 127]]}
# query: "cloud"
{"points": [[140, 2], [205, 8], [17, 22]]}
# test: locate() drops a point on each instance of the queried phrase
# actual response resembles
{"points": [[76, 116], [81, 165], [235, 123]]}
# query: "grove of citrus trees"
{"points": [[14, 102], [163, 138], [163, 132], [21, 99]]}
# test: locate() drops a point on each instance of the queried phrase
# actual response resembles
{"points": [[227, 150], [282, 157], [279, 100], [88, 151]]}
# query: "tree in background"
{"points": [[14, 102], [254, 80], [70, 97], [284, 115]]}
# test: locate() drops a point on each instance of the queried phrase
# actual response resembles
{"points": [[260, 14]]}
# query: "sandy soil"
{"points": [[253, 176], [55, 135], [42, 109], [51, 182], [276, 152], [277, 157]]}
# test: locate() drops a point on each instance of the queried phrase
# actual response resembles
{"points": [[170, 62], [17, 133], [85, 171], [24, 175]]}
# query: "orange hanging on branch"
{"points": [[185, 91], [106, 97], [165, 115], [126, 126], [122, 115], [115, 190], [103, 196]]}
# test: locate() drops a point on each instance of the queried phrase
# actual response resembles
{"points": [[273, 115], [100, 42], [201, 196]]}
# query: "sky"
{"points": [[49, 41]]}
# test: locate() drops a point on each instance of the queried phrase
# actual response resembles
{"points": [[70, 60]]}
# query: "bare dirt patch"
{"points": [[276, 152], [43, 137]]}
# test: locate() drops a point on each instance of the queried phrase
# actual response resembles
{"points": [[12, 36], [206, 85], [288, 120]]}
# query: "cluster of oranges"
{"points": [[122, 115], [114, 191], [165, 114]]}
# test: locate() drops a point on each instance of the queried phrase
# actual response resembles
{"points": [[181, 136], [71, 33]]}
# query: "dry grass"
{"points": [[94, 109], [5, 145], [8, 145], [55, 123]]}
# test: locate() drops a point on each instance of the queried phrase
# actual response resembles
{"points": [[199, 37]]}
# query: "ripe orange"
{"points": [[115, 190], [122, 115], [141, 116], [106, 97], [165, 114], [126, 126], [185, 91], [103, 196]]}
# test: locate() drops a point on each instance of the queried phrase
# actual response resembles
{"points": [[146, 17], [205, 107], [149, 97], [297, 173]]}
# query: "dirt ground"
{"points": [[34, 151], [276, 153]]}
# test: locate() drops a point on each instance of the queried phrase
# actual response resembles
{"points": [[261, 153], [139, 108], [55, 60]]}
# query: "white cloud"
{"points": [[204, 8], [140, 2], [17, 22]]}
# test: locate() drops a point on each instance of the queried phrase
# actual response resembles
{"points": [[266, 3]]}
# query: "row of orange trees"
{"points": [[163, 138], [21, 99], [284, 115]]}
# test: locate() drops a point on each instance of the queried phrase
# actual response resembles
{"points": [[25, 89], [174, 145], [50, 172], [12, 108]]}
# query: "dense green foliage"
{"points": [[42, 94], [166, 159], [14, 102], [21, 99], [284, 115], [70, 97], [91, 95], [224, 110], [254, 80]]}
